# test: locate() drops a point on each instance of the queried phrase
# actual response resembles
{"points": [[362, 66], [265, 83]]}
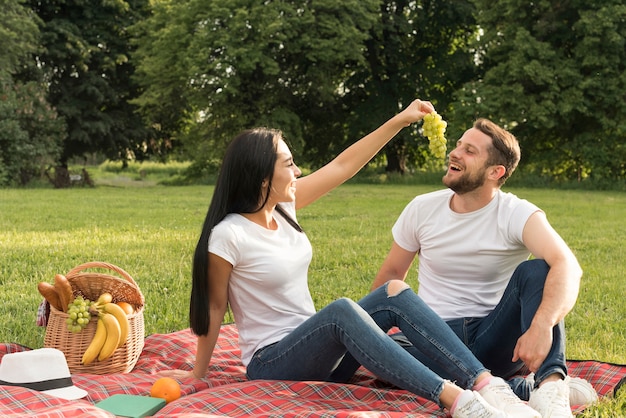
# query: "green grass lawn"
{"points": [[151, 233]]}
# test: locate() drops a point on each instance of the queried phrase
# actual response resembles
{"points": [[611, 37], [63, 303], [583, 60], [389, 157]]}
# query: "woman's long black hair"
{"points": [[249, 160]]}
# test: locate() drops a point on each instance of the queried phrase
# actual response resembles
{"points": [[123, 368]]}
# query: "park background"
{"points": [[161, 80], [114, 116]]}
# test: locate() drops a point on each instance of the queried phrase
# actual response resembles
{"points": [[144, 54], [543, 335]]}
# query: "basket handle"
{"points": [[100, 264]]}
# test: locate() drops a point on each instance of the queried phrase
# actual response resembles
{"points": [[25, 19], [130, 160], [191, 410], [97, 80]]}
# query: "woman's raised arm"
{"points": [[353, 158]]}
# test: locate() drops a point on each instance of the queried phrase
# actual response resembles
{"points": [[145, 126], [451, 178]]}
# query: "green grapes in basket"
{"points": [[78, 314]]}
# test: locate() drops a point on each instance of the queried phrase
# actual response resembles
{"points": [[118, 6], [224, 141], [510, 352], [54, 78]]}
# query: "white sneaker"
{"points": [[551, 400], [580, 391], [471, 405], [499, 394]]}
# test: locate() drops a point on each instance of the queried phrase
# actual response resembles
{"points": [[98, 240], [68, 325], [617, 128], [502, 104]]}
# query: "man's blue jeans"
{"points": [[493, 338], [314, 349]]}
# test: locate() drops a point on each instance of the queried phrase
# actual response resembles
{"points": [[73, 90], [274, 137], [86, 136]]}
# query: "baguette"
{"points": [[64, 289], [49, 292]]}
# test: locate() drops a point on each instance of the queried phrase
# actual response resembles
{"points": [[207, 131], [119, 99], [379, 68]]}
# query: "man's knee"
{"points": [[534, 271]]}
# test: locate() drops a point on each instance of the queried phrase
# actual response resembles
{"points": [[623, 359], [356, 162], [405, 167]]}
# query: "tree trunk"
{"points": [[396, 160]]}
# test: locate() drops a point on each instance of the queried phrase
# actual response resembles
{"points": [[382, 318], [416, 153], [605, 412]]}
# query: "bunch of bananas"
{"points": [[111, 329]]}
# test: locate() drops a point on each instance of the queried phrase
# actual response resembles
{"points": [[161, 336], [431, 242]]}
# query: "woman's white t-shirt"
{"points": [[268, 288], [465, 259]]}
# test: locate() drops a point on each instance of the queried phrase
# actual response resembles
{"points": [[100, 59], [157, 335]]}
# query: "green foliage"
{"points": [[10, 133], [160, 43], [324, 72], [30, 132], [555, 74], [86, 61], [210, 69], [146, 173], [19, 34], [165, 79], [416, 50]]}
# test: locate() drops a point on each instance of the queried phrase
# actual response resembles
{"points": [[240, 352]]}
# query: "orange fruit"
{"points": [[165, 388], [127, 307]]}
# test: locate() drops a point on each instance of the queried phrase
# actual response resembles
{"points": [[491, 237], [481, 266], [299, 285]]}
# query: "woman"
{"points": [[253, 255]]}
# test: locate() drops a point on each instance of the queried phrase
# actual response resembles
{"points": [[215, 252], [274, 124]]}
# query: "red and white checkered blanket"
{"points": [[226, 391]]}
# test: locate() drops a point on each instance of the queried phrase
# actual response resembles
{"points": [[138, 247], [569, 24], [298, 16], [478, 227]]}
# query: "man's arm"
{"points": [[395, 266], [560, 290]]}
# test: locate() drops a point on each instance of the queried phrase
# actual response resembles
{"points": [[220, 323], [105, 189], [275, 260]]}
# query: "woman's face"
{"points": [[285, 174]]}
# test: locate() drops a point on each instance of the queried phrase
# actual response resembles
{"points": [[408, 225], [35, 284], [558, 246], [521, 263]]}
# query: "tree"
{"points": [[11, 133], [418, 49], [162, 44], [86, 64], [326, 72], [554, 73], [30, 132], [19, 34], [236, 64]]}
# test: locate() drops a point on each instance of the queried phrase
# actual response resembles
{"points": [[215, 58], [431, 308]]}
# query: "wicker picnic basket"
{"points": [[91, 285]]}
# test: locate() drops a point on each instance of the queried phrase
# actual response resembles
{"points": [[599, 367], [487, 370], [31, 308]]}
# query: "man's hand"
{"points": [[533, 346]]}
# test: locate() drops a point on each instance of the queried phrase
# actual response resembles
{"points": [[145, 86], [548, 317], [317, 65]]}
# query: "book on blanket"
{"points": [[131, 406]]}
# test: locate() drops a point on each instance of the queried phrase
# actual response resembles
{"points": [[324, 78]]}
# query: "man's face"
{"points": [[467, 169]]}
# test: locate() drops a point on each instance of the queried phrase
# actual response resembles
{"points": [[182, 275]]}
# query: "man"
{"points": [[473, 242]]}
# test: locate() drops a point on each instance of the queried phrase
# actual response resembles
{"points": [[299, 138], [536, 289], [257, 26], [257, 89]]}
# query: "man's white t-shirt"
{"points": [[465, 259], [268, 289]]}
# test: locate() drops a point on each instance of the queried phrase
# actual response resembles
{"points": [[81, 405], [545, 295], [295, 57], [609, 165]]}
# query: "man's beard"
{"points": [[466, 183]]}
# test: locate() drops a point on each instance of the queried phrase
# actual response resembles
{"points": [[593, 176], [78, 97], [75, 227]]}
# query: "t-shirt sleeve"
{"points": [[518, 219], [223, 243], [403, 231]]}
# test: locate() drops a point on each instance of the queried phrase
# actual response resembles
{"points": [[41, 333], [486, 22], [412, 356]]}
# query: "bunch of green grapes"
{"points": [[78, 312], [434, 128]]}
